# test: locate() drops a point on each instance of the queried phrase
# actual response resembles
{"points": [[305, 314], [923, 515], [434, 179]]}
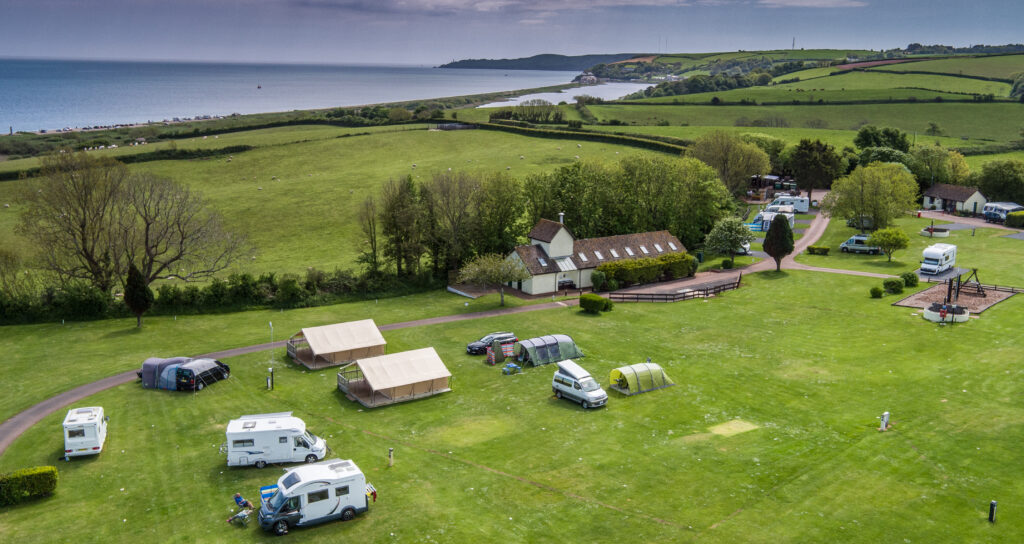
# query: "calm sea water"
{"points": [[51, 94]]}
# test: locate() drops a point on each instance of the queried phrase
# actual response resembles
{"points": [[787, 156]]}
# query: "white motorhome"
{"points": [[800, 203], [779, 208], [85, 431], [995, 212], [271, 438], [573, 382], [763, 219], [312, 494], [938, 258]]}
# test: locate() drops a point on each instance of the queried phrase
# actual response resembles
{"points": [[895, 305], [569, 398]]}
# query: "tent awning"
{"points": [[404, 368], [343, 336]]}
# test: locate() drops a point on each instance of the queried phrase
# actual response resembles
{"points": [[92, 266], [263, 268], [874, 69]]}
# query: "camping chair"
{"points": [[242, 517]]}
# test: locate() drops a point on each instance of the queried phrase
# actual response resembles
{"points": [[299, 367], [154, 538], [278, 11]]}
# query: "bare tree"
{"points": [[368, 223], [71, 215], [169, 233]]}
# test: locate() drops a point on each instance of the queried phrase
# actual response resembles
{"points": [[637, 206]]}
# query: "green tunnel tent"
{"points": [[639, 378], [546, 349]]}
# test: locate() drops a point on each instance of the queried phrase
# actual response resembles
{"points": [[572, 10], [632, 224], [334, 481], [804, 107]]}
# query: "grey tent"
{"points": [[546, 349], [159, 373]]}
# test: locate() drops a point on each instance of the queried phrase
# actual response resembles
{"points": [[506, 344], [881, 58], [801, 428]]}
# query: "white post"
{"points": [[885, 422], [271, 331]]}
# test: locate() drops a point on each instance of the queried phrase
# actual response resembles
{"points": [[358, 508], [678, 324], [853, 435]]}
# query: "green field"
{"points": [[999, 66], [786, 95], [500, 456]]}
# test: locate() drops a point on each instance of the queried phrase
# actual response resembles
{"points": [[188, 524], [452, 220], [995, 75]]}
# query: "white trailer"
{"points": [[313, 494], [800, 203], [271, 438], [938, 258], [85, 431]]}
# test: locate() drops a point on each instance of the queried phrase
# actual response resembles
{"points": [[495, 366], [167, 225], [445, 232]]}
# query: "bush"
{"points": [[594, 304], [597, 278], [27, 483], [817, 250], [877, 292], [893, 285], [910, 279], [726, 264], [612, 284], [1015, 220], [678, 265], [80, 301]]}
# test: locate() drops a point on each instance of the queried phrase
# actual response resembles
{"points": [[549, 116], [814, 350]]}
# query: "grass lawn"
{"points": [[808, 94], [996, 258], [975, 162], [500, 459]]}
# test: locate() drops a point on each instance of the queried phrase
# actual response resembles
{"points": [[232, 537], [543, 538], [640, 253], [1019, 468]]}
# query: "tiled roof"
{"points": [[952, 193], [611, 248], [532, 256], [545, 230]]}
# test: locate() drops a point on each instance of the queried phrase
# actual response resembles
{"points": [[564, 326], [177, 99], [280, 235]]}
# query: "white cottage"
{"points": [[950, 198]]}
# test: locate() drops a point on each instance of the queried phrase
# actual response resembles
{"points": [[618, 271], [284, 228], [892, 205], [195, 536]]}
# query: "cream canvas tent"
{"points": [[397, 377], [641, 378], [332, 345]]}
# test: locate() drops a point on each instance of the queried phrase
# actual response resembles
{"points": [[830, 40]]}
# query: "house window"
{"points": [[658, 247], [76, 433], [673, 246], [317, 496], [542, 261], [242, 443], [629, 251], [341, 491], [644, 249], [582, 256], [614, 253], [599, 256]]}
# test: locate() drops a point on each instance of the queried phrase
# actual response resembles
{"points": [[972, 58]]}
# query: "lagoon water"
{"points": [[606, 91], [51, 94]]}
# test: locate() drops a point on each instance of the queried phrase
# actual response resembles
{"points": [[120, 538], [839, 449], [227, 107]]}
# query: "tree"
{"points": [[499, 207], [452, 196], [889, 240], [1002, 180], [887, 154], [138, 297], [879, 191], [872, 136], [370, 256], [769, 144], [733, 159], [402, 225], [815, 164], [932, 164], [727, 237], [934, 129], [493, 270], [778, 241]]}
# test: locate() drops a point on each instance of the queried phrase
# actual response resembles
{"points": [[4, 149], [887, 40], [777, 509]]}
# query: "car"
{"points": [[198, 373], [858, 243], [566, 284], [745, 248], [480, 346]]}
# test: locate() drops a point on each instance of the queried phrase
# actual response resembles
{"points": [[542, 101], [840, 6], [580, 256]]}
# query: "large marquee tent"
{"points": [[639, 378], [332, 345], [396, 377]]}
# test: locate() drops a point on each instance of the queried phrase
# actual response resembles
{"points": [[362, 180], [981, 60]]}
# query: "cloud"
{"points": [[535, 11], [812, 3]]}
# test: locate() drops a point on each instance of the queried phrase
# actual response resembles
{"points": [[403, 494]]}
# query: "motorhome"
{"points": [[763, 220], [995, 212], [85, 431], [780, 208], [573, 382], [271, 438], [800, 203], [312, 494], [938, 258]]}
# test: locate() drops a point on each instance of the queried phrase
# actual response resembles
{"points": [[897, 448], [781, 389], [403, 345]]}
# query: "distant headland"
{"points": [[574, 63]]}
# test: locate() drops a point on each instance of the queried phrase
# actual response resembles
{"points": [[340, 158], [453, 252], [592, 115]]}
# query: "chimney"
{"points": [[561, 217]]}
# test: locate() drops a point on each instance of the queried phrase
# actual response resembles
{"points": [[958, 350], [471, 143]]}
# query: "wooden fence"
{"points": [[703, 290], [986, 287]]}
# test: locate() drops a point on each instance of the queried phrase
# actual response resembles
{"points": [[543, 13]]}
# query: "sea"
{"points": [[56, 94]]}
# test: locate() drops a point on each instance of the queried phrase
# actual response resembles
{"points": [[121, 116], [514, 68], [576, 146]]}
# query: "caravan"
{"points": [[271, 438], [800, 203], [996, 212], [938, 258], [313, 494], [763, 220], [85, 430]]}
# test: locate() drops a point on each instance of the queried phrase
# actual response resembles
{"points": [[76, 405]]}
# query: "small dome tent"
{"points": [[546, 349], [639, 378]]}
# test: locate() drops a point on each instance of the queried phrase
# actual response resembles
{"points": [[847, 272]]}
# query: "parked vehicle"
{"points": [[573, 382], [862, 222], [995, 212], [271, 438], [85, 431], [938, 258], [480, 346], [313, 494], [800, 203], [858, 243], [764, 218], [566, 284], [198, 373], [779, 208]]}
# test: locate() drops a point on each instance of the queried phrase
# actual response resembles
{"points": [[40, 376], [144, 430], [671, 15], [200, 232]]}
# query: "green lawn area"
{"points": [[805, 95], [996, 258], [500, 456], [1000, 66], [976, 161]]}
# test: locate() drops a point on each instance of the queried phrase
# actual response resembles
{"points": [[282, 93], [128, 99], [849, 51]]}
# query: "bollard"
{"points": [[885, 422], [270, 379], [268, 383], [992, 512], [391, 457]]}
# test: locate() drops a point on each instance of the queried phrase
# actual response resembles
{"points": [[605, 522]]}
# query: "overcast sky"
{"points": [[430, 32]]}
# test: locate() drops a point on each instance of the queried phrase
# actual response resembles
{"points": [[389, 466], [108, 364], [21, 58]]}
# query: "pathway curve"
{"points": [[11, 429]]}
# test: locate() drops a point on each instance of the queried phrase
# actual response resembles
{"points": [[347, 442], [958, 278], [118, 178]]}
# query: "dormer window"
{"points": [[658, 247], [644, 249], [615, 253], [629, 251], [582, 256], [599, 256], [673, 246]]}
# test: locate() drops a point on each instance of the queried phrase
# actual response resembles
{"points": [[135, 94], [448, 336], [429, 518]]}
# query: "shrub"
{"points": [[726, 264], [612, 284], [1015, 220], [877, 292], [594, 304], [597, 278], [27, 483], [678, 265], [893, 285], [80, 301], [909, 279], [289, 292]]}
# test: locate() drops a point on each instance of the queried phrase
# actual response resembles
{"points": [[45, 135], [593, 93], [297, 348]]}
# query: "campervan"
{"points": [[938, 258], [85, 430], [995, 212], [800, 203], [780, 208], [271, 438], [763, 219], [312, 494], [573, 382]]}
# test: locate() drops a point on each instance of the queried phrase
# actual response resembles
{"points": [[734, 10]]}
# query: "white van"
{"points": [[85, 431], [800, 203], [571, 381], [938, 258], [313, 494], [995, 212], [271, 438]]}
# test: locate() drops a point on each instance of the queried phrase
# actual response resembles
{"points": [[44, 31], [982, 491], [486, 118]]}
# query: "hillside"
{"points": [[575, 63]]}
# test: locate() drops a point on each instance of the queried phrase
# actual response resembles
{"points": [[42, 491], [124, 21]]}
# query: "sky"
{"points": [[431, 32]]}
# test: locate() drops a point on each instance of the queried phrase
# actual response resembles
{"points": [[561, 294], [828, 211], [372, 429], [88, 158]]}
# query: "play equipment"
{"points": [[948, 311]]}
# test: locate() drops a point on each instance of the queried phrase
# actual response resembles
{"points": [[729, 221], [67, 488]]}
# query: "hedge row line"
{"points": [[588, 136], [26, 484], [616, 274], [820, 102], [158, 155], [1015, 220]]}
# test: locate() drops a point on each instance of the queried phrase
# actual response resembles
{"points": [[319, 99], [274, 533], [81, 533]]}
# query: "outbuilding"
{"points": [[639, 378], [333, 345], [954, 198], [396, 377]]}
